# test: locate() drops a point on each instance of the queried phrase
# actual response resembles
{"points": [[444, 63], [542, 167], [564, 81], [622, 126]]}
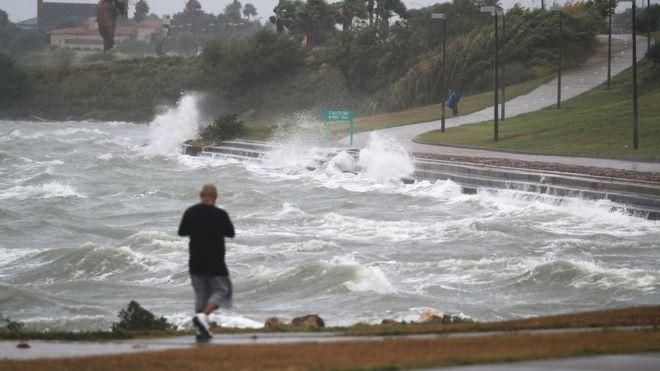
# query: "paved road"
{"points": [[574, 82]]}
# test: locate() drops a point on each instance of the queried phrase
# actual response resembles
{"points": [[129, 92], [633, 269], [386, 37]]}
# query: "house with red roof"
{"points": [[86, 37]]}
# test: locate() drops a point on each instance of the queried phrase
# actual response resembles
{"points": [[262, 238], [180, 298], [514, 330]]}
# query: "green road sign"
{"points": [[335, 115], [331, 115]]}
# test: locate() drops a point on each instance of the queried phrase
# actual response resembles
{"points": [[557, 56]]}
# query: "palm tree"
{"points": [[106, 16], [249, 10]]}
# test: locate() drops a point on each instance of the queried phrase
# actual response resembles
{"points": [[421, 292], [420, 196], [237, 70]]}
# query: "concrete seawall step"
{"points": [[636, 198]]}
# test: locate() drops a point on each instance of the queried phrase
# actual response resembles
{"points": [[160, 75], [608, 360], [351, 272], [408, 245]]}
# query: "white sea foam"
{"points": [[366, 277], [48, 190], [77, 130], [182, 320], [18, 134], [104, 156]]}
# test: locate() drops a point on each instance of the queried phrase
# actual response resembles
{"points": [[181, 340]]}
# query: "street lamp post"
{"points": [[648, 25], [444, 63], [635, 123], [635, 111], [561, 51], [609, 45], [495, 11], [503, 65]]}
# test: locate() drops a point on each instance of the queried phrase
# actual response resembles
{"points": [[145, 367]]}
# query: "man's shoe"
{"points": [[202, 325]]}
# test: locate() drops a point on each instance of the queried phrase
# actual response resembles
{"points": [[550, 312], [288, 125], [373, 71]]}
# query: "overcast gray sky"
{"points": [[23, 9]]}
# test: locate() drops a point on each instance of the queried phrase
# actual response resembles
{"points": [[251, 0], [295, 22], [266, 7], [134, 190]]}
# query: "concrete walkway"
{"points": [[574, 82], [39, 349]]}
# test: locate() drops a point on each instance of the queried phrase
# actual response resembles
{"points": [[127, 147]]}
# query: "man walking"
{"points": [[207, 226]]}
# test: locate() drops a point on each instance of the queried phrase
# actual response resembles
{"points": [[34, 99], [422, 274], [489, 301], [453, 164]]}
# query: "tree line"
{"points": [[371, 56]]}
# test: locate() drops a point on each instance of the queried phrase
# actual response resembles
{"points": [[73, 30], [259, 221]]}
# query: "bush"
{"points": [[225, 127], [134, 47], [13, 80], [654, 53], [13, 327], [136, 318]]}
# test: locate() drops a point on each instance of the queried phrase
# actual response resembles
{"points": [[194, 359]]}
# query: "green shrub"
{"points": [[13, 327], [136, 318], [13, 80], [654, 53], [225, 127]]}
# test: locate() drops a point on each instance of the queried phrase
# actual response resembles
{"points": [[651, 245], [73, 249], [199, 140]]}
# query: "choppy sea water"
{"points": [[89, 211]]}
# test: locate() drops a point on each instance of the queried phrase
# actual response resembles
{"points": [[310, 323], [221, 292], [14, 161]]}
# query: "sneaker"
{"points": [[201, 323]]}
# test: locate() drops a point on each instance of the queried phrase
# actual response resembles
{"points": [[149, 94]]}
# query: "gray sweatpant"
{"points": [[211, 290]]}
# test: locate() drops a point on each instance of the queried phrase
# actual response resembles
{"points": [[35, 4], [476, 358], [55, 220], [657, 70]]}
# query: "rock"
{"points": [[23, 345], [388, 321], [430, 315], [273, 323], [308, 321]]}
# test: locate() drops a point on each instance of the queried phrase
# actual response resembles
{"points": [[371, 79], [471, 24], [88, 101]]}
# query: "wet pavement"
{"points": [[574, 82], [40, 349]]}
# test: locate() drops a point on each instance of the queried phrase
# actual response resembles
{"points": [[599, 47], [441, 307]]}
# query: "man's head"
{"points": [[209, 194]]}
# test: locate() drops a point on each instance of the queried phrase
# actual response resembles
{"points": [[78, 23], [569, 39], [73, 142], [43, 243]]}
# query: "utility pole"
{"points": [[444, 63]]}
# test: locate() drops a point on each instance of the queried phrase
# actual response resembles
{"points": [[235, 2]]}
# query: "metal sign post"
{"points": [[335, 115]]}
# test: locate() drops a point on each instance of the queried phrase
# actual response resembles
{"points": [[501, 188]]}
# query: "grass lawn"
{"points": [[260, 130], [598, 122]]}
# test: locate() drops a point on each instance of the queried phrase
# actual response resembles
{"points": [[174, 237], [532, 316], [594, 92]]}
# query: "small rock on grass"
{"points": [[308, 321], [274, 323], [430, 315]]}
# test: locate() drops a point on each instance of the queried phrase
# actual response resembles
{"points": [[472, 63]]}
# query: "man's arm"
{"points": [[228, 227], [184, 226]]}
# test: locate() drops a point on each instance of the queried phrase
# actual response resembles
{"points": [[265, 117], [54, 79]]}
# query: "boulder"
{"points": [[430, 315], [308, 321], [388, 321], [274, 323]]}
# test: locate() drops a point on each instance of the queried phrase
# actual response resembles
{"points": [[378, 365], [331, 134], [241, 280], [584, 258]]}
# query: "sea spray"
{"points": [[299, 143], [173, 127], [384, 159]]}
